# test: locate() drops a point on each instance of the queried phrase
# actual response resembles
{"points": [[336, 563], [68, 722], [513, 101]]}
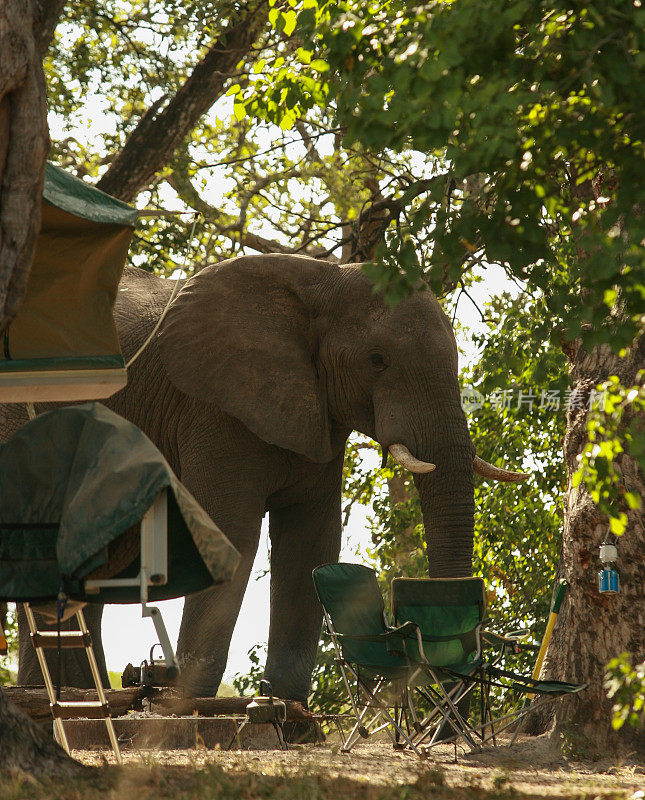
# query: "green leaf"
{"points": [[319, 65], [618, 524], [289, 19], [633, 500]]}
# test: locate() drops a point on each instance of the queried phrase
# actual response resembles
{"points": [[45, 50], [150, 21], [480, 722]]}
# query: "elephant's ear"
{"points": [[239, 335]]}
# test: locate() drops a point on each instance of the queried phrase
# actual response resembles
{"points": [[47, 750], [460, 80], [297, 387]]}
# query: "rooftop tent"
{"points": [[63, 343], [77, 483]]}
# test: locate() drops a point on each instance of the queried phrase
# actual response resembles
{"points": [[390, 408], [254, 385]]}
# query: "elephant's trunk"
{"points": [[448, 509], [447, 494], [436, 432]]}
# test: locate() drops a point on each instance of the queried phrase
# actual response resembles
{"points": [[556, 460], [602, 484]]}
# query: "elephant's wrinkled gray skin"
{"points": [[262, 368]]}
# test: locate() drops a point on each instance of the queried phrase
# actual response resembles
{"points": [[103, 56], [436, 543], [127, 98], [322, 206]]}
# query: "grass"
{"points": [[216, 783]]}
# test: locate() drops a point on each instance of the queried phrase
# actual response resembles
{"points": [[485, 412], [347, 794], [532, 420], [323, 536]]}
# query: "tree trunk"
{"points": [[25, 746], [25, 27], [593, 628], [24, 142]]}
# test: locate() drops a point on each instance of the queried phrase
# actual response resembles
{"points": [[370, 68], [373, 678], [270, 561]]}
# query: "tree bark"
{"points": [[593, 628], [24, 142], [161, 130], [49, 12], [26, 747]]}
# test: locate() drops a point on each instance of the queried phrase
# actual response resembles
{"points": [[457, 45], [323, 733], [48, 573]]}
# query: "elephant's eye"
{"points": [[378, 362]]}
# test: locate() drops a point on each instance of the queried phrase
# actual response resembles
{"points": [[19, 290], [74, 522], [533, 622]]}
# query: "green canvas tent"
{"points": [[76, 484], [63, 343]]}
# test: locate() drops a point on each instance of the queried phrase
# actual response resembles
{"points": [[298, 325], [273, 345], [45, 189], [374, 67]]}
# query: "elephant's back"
{"points": [[140, 302]]}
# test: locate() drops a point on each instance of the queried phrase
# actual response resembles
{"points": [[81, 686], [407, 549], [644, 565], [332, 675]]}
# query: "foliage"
{"points": [[534, 111], [328, 695], [249, 683], [625, 685], [615, 427], [115, 679], [8, 662]]}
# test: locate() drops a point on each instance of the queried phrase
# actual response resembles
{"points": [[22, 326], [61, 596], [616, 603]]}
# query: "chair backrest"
{"points": [[441, 607], [351, 596]]}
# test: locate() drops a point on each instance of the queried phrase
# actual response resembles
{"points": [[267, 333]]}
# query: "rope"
{"points": [[170, 299], [61, 602]]}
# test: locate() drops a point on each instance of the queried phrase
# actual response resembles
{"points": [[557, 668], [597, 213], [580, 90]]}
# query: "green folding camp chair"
{"points": [[450, 614], [368, 651]]}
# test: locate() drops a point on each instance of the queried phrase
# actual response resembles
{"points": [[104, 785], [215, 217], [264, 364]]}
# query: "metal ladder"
{"points": [[61, 710]]}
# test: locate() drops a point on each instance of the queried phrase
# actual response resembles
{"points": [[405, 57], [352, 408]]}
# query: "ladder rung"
{"points": [[92, 709], [49, 639]]}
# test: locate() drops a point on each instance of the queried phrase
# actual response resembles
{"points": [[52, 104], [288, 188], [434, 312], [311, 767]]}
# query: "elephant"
{"points": [[259, 371]]}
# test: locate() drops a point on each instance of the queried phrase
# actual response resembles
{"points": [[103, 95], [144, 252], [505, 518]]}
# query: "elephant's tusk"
{"points": [[487, 470], [404, 458]]}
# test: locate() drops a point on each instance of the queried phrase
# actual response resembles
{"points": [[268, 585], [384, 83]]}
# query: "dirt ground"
{"points": [[532, 768]]}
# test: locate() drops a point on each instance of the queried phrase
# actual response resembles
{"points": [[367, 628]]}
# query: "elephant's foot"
{"points": [[199, 677]]}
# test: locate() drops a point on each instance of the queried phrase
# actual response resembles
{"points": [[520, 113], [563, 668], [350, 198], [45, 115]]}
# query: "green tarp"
{"points": [[73, 483]]}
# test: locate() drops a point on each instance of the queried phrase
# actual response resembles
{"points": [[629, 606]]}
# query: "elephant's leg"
{"points": [[302, 537], [207, 626], [75, 667], [229, 485]]}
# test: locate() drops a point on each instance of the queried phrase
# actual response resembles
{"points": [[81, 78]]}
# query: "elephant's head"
{"points": [[300, 349]]}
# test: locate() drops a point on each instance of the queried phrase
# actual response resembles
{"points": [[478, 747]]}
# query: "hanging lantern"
{"points": [[608, 578]]}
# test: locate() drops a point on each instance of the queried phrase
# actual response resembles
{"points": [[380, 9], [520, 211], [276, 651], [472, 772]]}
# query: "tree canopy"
{"points": [[533, 113]]}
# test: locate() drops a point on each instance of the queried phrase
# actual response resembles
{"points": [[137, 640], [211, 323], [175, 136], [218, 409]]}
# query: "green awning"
{"points": [[75, 483], [79, 198]]}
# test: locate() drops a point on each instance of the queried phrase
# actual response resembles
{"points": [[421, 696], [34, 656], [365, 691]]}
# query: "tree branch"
{"points": [[227, 223], [160, 132]]}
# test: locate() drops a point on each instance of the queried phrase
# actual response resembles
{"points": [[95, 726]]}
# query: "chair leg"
{"points": [[446, 698], [388, 716]]}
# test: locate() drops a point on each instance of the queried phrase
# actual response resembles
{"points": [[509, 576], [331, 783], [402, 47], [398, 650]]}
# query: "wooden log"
{"points": [[172, 703], [33, 701]]}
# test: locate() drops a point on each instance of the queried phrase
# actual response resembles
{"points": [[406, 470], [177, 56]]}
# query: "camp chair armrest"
{"points": [[398, 635], [405, 630], [510, 642], [356, 637], [392, 637]]}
